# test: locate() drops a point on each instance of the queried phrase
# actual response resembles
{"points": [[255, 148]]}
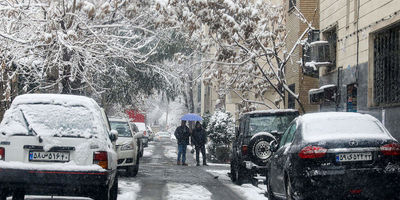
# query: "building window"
{"points": [[386, 66], [291, 99], [331, 37], [351, 98], [292, 3]]}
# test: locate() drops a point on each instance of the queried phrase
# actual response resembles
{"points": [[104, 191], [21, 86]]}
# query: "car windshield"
{"points": [[122, 128], [269, 123], [57, 120]]}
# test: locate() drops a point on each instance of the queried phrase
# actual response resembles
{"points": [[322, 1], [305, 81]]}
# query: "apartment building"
{"points": [[297, 79], [363, 38]]}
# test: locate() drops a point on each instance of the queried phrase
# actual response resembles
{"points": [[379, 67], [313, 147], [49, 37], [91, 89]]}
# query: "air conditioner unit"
{"points": [[326, 93], [320, 53]]}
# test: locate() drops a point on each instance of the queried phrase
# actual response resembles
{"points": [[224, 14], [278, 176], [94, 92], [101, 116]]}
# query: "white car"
{"points": [[127, 145], [142, 129], [52, 144], [162, 136]]}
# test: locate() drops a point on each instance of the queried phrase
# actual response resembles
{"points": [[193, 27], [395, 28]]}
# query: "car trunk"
{"points": [[28, 149]]}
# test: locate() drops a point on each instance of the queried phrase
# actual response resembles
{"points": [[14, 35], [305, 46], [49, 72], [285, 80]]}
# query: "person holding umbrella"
{"points": [[182, 134], [199, 139]]}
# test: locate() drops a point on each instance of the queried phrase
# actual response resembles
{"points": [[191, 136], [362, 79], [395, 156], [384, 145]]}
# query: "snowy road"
{"points": [[160, 178]]}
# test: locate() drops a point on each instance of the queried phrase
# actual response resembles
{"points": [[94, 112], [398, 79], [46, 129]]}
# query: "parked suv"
{"points": [[60, 145], [251, 147], [127, 146]]}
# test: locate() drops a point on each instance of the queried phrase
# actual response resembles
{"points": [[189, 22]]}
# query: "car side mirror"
{"points": [[113, 135], [273, 145]]}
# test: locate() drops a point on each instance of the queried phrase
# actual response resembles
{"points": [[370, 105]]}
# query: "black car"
{"points": [[335, 156], [251, 148]]}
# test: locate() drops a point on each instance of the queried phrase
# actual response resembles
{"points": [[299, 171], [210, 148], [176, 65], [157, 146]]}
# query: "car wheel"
{"points": [[239, 174], [133, 171], [3, 195], [18, 195], [114, 189], [289, 189], [260, 149], [233, 171], [269, 192]]}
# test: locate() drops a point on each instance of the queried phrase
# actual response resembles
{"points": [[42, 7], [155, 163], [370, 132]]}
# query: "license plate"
{"points": [[350, 157], [49, 156]]}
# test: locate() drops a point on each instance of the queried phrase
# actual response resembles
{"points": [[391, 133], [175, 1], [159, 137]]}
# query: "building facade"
{"points": [[299, 82], [364, 44]]}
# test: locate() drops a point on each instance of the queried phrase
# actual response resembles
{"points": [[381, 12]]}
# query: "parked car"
{"points": [[53, 144], [162, 136], [127, 145], [142, 129], [150, 133], [335, 156], [251, 147], [140, 135]]}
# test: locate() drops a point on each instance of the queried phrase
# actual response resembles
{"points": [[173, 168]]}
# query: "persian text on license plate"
{"points": [[49, 156], [349, 157]]}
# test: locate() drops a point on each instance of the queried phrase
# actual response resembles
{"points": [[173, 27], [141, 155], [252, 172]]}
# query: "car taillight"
{"points": [[391, 149], [244, 149], [312, 152], [2, 153], [100, 158]]}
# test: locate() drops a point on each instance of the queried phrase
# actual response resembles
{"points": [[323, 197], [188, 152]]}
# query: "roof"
{"points": [[117, 119], [312, 117], [56, 99], [270, 111]]}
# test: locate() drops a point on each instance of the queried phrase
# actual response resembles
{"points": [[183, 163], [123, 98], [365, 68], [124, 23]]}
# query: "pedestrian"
{"points": [[199, 139], [182, 134]]}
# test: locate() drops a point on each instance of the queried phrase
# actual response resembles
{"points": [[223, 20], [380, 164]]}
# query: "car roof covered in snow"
{"points": [[117, 119], [56, 99], [271, 111], [322, 116]]}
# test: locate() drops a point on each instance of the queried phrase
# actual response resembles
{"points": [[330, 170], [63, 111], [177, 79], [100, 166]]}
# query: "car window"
{"points": [[270, 123], [290, 136], [122, 128], [285, 135]]}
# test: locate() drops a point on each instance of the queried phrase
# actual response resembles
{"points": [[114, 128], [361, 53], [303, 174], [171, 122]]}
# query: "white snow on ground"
{"points": [[31, 197], [171, 152], [178, 191], [148, 152], [248, 191], [218, 164], [128, 190]]}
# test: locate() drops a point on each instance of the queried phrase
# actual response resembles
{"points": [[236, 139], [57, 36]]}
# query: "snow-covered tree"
{"points": [[247, 42], [221, 128], [99, 48]]}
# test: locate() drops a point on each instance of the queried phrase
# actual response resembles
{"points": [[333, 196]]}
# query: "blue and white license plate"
{"points": [[48, 156], [351, 157]]}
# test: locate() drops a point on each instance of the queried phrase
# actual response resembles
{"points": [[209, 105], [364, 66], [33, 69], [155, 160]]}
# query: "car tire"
{"points": [[270, 195], [133, 171], [114, 189], [3, 195], [233, 171], [18, 195], [240, 174], [289, 189], [257, 147]]}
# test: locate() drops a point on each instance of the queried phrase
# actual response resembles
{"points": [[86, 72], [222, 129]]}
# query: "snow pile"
{"points": [[171, 152], [128, 190], [70, 166], [179, 191], [148, 152]]}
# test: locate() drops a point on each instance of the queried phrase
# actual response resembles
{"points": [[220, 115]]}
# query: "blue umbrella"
{"points": [[191, 117]]}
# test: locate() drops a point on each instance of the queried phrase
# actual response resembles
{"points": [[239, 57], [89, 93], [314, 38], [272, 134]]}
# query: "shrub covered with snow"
{"points": [[221, 132]]}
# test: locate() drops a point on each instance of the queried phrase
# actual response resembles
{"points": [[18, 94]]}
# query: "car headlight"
{"points": [[126, 147]]}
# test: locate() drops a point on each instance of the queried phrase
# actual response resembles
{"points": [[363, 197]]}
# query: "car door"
{"points": [[278, 160]]}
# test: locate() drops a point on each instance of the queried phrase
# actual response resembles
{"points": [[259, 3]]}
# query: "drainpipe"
{"points": [[338, 93], [358, 40]]}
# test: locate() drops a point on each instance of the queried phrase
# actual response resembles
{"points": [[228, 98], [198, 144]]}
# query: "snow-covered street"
{"points": [[160, 178]]}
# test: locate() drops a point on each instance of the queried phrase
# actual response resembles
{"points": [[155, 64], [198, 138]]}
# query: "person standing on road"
{"points": [[182, 134], [199, 139]]}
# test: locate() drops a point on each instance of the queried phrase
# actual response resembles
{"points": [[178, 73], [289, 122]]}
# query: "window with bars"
{"points": [[387, 66]]}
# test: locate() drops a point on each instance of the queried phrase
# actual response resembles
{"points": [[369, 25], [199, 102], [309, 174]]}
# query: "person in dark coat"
{"points": [[182, 134], [199, 139]]}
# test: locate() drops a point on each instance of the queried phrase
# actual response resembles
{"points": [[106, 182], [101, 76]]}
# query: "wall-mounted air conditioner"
{"points": [[326, 93]]}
